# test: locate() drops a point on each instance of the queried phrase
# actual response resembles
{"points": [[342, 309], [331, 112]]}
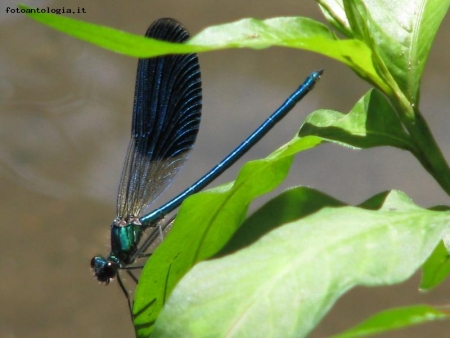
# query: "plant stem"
{"points": [[427, 150]]}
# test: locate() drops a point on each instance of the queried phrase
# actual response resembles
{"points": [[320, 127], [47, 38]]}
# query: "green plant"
{"points": [[284, 267]]}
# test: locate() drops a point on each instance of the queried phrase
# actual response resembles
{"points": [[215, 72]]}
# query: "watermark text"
{"points": [[62, 10]]}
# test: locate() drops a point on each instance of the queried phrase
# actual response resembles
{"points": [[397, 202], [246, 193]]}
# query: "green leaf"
{"points": [[293, 32], [289, 278], [293, 204], [362, 25], [401, 33], [335, 14], [106, 37], [204, 225], [436, 268], [371, 123], [376, 202], [395, 319]]}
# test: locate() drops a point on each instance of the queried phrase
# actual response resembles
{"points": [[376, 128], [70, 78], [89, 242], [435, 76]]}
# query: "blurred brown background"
{"points": [[65, 111]]}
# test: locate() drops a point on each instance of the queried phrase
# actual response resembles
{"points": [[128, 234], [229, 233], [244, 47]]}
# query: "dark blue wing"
{"points": [[166, 118]]}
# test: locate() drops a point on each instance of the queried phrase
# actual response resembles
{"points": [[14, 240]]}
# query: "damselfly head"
{"points": [[104, 270]]}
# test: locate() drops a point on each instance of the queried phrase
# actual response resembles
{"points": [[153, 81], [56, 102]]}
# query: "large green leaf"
{"points": [[288, 279], [371, 123], [293, 32], [291, 205], [401, 31], [205, 223], [395, 319]]}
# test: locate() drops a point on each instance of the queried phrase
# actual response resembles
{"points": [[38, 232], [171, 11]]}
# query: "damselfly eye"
{"points": [[108, 273]]}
